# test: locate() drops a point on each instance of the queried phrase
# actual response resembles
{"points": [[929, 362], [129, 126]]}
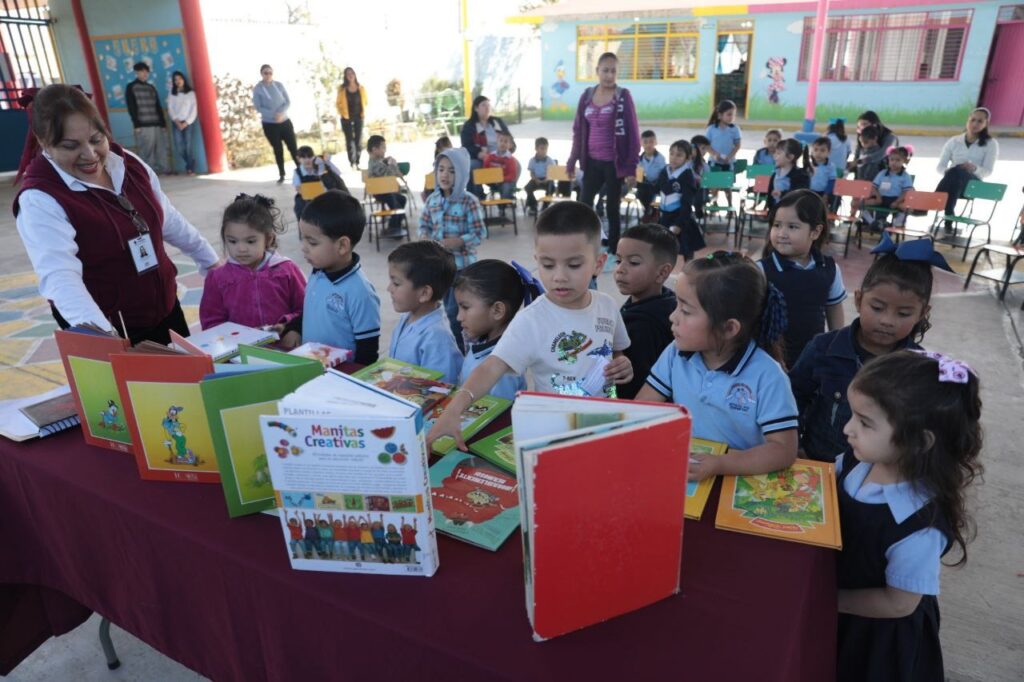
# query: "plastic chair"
{"points": [[429, 182], [719, 180], [1014, 254], [403, 168], [739, 166], [848, 211], [485, 177], [975, 192], [556, 174], [748, 216], [387, 184], [915, 203], [630, 199]]}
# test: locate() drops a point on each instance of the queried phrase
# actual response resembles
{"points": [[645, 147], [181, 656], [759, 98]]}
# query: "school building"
{"points": [[912, 62], [94, 43]]}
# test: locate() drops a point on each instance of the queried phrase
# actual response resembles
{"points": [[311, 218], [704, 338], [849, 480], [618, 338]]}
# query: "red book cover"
{"points": [[163, 405], [607, 524], [86, 358]]}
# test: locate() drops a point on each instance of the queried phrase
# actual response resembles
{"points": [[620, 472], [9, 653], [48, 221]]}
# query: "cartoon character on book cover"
{"points": [[101, 402], [791, 496], [172, 425], [475, 492]]}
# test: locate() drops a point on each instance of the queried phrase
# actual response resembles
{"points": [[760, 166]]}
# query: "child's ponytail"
{"points": [[773, 324], [837, 126]]}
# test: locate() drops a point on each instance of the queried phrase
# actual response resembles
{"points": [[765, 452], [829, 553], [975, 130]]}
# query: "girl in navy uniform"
{"points": [[914, 442], [793, 261], [489, 293], [787, 176], [679, 186]]}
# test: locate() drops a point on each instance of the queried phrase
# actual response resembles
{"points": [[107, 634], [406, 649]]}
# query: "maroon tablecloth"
{"points": [[164, 561]]}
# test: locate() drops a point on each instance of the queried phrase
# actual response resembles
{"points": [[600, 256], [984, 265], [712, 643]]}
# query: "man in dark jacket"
{"points": [[147, 114]]}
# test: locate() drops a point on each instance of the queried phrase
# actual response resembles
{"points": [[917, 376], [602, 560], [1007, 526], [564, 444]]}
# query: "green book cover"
{"points": [[389, 369], [498, 448], [476, 417], [474, 501], [234, 403], [258, 355]]}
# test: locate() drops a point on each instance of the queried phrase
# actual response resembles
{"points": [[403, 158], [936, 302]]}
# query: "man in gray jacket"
{"points": [[147, 115]]}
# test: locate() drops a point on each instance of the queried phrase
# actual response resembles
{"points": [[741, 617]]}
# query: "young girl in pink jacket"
{"points": [[257, 286]]}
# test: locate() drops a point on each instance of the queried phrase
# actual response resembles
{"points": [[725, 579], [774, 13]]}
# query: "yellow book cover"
{"points": [[797, 504], [697, 493]]}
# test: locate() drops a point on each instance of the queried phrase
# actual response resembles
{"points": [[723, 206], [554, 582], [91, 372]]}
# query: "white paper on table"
{"points": [[14, 424]]}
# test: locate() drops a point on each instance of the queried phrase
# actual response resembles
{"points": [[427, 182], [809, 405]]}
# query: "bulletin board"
{"points": [[117, 54]]}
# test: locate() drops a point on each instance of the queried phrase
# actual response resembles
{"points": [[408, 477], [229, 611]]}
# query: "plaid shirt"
{"points": [[462, 217]]}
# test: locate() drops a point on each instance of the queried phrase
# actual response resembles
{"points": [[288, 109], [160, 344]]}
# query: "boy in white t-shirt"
{"points": [[564, 334]]}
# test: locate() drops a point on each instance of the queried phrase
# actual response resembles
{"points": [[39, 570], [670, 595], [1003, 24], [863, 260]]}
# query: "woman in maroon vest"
{"points": [[94, 220]]}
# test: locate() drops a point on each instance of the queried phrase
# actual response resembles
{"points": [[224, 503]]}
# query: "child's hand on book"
{"points": [[448, 424], [288, 340], [703, 466], [619, 370]]}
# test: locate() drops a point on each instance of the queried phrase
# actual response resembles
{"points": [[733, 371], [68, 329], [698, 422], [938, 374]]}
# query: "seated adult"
{"points": [[886, 139], [479, 137], [94, 220], [966, 157]]}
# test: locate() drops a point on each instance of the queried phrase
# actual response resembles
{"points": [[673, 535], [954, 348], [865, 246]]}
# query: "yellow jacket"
{"points": [[342, 102]]}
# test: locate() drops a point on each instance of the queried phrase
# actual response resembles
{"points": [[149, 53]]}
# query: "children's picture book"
{"points": [[221, 341], [478, 415], [697, 493], [474, 500], [234, 404], [387, 370], [38, 416], [85, 354], [166, 416], [602, 490], [328, 356], [797, 504], [349, 470], [499, 449]]}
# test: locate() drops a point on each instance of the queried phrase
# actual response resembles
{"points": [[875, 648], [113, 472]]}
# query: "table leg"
{"points": [[108, 646]]}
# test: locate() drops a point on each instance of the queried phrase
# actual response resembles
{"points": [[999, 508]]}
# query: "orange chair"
{"points": [[915, 202], [855, 191]]}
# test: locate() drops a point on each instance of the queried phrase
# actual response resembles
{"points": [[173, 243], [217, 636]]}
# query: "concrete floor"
{"points": [[982, 630]]}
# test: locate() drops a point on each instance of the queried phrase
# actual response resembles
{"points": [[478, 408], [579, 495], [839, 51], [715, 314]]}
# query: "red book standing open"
{"points": [[602, 497]]}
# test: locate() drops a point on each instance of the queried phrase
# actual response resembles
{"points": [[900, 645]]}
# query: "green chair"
{"points": [[712, 182], [1013, 253], [975, 193], [739, 166]]}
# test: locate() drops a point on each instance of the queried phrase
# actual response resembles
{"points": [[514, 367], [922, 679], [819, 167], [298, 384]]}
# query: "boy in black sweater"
{"points": [[646, 255]]}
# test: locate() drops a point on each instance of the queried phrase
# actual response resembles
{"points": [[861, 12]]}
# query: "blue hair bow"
{"points": [[922, 250], [534, 289], [838, 119]]}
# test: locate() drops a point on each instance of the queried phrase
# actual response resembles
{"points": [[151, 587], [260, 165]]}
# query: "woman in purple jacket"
{"points": [[606, 142]]}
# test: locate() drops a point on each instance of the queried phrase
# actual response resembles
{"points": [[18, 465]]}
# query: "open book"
{"points": [[601, 497]]}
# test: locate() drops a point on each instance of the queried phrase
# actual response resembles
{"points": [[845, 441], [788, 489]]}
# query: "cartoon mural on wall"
{"points": [[775, 73], [559, 88]]}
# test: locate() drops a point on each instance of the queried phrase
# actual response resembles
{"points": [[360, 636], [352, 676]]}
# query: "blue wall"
{"points": [[115, 17], [777, 35]]}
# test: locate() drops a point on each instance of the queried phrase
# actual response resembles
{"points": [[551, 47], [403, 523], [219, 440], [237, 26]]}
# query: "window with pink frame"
{"points": [[909, 46]]}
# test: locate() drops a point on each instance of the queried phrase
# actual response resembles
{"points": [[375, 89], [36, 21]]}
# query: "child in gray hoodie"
{"points": [[453, 217]]}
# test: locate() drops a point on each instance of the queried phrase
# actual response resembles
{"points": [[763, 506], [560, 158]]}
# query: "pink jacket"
{"points": [[235, 293]]}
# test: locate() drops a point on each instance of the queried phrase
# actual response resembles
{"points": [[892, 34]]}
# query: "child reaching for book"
{"points": [[570, 339], [893, 303], [257, 286], [724, 367], [420, 275], [793, 261], [489, 294], [915, 436], [341, 307]]}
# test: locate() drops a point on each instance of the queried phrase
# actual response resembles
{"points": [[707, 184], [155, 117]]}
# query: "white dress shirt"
{"points": [[49, 238], [956, 151]]}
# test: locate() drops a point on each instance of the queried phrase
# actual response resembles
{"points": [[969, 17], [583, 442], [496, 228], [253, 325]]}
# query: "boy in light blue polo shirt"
{"points": [[653, 162], [341, 307], [891, 185], [419, 275]]}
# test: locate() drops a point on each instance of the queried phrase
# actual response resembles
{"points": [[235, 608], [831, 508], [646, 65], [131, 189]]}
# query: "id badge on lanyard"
{"points": [[141, 246]]}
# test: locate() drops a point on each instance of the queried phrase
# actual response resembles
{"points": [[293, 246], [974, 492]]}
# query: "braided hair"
{"points": [[730, 286]]}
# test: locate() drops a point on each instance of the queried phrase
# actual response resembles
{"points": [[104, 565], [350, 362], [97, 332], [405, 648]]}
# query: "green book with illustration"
{"points": [[499, 448], [234, 403], [478, 415], [474, 501], [387, 370]]}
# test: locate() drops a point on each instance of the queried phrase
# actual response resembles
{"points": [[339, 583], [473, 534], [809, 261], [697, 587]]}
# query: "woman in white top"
{"points": [[94, 220], [966, 157], [181, 106]]}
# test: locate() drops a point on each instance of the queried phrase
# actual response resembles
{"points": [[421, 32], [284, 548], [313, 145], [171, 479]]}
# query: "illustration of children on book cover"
{"points": [[357, 538]]}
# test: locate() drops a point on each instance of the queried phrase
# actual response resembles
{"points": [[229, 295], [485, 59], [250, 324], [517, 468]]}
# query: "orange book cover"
{"points": [[697, 493], [797, 504], [604, 530], [86, 358], [163, 405]]}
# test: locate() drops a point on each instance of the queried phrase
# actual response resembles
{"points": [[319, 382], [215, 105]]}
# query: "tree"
{"points": [[325, 77], [239, 123]]}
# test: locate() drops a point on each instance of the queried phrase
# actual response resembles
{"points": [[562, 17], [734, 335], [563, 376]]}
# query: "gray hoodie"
{"points": [[458, 215], [460, 159]]}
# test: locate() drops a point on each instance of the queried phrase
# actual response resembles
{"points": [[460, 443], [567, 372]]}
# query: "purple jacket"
{"points": [[627, 133], [271, 294]]}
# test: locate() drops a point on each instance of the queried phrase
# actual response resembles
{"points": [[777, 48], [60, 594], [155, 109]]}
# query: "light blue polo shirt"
{"points": [[341, 312], [913, 563], [738, 404], [507, 386], [723, 139], [823, 178], [652, 166], [890, 185], [839, 152], [427, 342], [539, 167]]}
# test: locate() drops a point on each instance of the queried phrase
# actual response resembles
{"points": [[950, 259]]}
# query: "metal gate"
{"points": [[28, 56]]}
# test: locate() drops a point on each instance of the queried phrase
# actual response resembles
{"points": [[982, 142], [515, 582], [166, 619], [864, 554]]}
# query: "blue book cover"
{"points": [[474, 501]]}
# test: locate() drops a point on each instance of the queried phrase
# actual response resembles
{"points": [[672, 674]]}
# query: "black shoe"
{"points": [[280, 180]]}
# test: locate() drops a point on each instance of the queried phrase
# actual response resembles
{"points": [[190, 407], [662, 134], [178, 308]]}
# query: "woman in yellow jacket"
{"points": [[351, 105]]}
